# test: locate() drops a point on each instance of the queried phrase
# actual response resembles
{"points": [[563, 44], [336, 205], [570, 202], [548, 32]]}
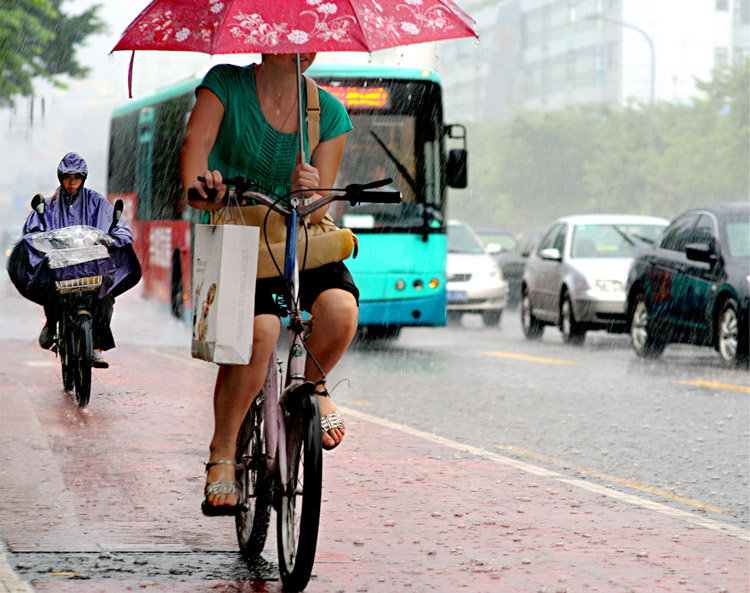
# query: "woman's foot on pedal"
{"points": [[222, 491], [330, 420]]}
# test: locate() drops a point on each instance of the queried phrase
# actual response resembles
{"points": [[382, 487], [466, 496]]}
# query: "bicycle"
{"points": [[279, 462], [70, 252]]}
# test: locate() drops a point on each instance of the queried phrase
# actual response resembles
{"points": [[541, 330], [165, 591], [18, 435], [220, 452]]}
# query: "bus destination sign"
{"points": [[362, 97]]}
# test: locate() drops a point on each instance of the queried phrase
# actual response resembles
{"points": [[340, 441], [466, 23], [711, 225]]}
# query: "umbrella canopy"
{"points": [[292, 26]]}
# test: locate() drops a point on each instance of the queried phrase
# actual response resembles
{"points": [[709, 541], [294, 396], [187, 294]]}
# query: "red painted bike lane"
{"points": [[402, 511]]}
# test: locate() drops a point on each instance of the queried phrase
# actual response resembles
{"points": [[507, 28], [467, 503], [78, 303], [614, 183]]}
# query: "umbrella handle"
{"points": [[301, 111]]}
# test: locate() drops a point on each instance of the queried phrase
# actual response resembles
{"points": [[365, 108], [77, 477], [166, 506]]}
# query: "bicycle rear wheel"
{"points": [[255, 485], [81, 361], [299, 506]]}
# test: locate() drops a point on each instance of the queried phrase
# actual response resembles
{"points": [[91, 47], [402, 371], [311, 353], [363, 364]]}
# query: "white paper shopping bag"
{"points": [[225, 263]]}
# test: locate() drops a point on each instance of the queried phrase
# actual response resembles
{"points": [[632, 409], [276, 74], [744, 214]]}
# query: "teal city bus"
{"points": [[398, 132]]}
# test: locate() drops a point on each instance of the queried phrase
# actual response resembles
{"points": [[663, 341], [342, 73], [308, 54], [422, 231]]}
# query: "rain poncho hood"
{"points": [[26, 265], [71, 164]]}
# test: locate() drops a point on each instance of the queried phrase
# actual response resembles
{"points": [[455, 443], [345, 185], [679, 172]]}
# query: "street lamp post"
{"points": [[606, 19]]}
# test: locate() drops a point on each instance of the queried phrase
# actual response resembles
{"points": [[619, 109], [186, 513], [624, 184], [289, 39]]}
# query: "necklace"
{"points": [[286, 119]]}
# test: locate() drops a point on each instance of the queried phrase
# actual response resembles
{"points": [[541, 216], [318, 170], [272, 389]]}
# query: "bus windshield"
{"points": [[398, 134]]}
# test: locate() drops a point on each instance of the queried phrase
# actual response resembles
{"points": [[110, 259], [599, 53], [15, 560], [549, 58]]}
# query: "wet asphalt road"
{"points": [[679, 426], [593, 413]]}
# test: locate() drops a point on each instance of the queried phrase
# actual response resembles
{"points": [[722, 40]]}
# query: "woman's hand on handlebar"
{"points": [[211, 191]]}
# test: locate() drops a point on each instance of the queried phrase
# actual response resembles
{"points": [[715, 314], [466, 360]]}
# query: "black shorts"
{"points": [[311, 282]]}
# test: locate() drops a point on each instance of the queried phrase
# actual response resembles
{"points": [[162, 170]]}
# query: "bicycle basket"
{"points": [[87, 284]]}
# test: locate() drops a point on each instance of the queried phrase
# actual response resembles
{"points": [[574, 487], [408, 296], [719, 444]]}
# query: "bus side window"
{"points": [[144, 163]]}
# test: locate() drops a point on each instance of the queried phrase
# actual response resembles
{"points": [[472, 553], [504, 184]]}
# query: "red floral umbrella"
{"points": [[291, 27]]}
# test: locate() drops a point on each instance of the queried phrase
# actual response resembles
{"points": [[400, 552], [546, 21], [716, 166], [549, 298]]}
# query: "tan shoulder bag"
{"points": [[321, 243]]}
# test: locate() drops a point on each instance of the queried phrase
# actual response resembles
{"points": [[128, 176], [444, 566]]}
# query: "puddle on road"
{"points": [[181, 566]]}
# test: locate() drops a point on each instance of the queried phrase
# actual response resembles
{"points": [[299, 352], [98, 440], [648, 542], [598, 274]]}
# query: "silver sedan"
{"points": [[575, 279]]}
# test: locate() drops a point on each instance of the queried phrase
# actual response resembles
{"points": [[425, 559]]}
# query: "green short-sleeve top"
{"points": [[247, 145]]}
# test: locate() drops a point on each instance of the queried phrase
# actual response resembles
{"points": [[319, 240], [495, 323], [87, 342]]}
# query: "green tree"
{"points": [[528, 169], [37, 40]]}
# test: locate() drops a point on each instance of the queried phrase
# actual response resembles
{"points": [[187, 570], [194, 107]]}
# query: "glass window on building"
{"points": [[722, 5], [742, 12], [721, 56]]}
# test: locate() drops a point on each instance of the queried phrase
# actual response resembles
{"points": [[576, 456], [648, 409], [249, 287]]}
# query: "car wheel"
{"points": [[732, 348], [532, 327], [642, 331], [454, 317], [572, 331], [492, 318]]}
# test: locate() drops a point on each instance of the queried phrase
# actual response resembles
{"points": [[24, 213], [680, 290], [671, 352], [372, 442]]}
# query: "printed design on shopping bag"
{"points": [[205, 309]]}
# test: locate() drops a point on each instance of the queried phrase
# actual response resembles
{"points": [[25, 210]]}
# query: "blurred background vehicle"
{"points": [[496, 240], [513, 263], [473, 279], [692, 286], [575, 278]]}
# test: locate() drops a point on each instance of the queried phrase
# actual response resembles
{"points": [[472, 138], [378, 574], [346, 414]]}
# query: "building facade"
{"points": [[545, 54]]}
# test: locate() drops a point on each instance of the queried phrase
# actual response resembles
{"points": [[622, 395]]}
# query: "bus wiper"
{"points": [[401, 169]]}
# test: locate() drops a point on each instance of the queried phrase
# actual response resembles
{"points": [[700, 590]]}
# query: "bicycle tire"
{"points": [[252, 522], [64, 350], [82, 359], [298, 515]]}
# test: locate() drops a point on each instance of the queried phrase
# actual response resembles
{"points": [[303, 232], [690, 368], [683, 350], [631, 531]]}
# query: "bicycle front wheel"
{"points": [[81, 361], [299, 507], [65, 352], [255, 485]]}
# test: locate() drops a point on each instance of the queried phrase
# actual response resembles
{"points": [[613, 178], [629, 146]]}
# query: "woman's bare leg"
{"points": [[335, 316], [236, 387]]}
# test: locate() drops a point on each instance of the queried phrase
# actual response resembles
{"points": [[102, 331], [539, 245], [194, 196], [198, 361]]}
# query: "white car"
{"points": [[474, 281], [575, 279]]}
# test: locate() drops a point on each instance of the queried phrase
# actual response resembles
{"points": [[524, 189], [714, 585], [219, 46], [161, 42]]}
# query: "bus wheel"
{"points": [[177, 287], [382, 332]]}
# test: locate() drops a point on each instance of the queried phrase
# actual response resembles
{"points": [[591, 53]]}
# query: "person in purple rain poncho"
{"points": [[73, 204]]}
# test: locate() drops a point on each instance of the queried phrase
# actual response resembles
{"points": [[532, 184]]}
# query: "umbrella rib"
{"points": [[361, 28]]}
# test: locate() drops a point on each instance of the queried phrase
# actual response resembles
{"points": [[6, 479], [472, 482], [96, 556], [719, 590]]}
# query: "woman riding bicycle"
{"points": [[243, 124], [73, 204]]}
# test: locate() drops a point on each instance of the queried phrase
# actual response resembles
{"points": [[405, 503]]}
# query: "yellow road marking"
{"points": [[532, 358], [629, 483], [715, 385]]}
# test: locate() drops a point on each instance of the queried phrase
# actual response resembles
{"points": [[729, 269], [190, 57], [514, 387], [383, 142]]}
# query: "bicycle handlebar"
{"points": [[354, 193]]}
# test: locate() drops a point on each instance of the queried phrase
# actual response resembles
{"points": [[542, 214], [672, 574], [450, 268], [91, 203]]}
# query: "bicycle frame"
{"points": [[275, 429]]}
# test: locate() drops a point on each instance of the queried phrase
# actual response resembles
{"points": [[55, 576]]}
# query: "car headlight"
{"points": [[609, 286]]}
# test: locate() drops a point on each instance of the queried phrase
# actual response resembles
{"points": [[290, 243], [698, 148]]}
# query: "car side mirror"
{"points": [[702, 252], [493, 248], [551, 253]]}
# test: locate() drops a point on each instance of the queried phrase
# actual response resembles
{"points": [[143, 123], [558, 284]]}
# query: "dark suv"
{"points": [[692, 286]]}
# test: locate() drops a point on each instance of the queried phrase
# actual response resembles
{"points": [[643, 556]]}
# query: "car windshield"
{"points": [[506, 241], [613, 240], [738, 238], [462, 240]]}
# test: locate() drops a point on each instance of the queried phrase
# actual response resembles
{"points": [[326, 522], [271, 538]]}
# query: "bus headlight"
{"points": [[418, 285], [434, 283], [400, 285]]}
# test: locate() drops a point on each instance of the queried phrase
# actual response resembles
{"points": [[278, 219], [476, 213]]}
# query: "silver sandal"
{"points": [[230, 487], [330, 421]]}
